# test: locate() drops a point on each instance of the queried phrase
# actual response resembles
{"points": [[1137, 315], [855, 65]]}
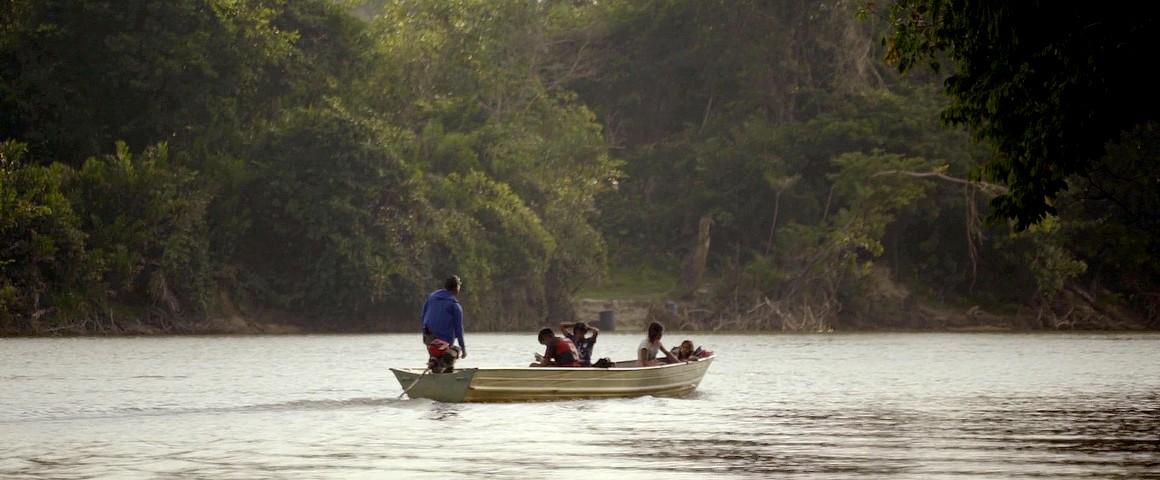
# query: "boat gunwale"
{"points": [[416, 371], [567, 390]]}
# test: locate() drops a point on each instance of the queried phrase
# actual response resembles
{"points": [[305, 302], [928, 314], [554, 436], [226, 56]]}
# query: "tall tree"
{"points": [[1049, 84]]}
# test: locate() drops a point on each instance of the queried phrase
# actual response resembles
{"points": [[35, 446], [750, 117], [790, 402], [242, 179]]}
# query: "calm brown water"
{"points": [[824, 406]]}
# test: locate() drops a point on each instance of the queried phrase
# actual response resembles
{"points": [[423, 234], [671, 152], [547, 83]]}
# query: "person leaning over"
{"points": [[559, 352]]}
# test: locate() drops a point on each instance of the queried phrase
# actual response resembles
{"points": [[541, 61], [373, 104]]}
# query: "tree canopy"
{"points": [[1049, 84], [220, 165]]}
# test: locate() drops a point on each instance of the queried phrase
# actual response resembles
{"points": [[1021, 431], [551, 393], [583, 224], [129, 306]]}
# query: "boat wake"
{"points": [[155, 411]]}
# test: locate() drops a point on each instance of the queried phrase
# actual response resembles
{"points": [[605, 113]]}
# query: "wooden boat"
{"points": [[551, 383]]}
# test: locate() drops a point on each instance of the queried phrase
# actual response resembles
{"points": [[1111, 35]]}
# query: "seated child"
{"points": [[685, 352]]}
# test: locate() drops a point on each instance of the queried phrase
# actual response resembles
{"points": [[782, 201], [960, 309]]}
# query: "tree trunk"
{"points": [[694, 269], [773, 224], [558, 297]]}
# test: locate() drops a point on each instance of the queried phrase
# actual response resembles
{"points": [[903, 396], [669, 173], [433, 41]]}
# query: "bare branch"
{"points": [[989, 188]]}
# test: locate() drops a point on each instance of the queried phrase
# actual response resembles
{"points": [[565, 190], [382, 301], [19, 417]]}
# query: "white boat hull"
{"points": [[539, 384]]}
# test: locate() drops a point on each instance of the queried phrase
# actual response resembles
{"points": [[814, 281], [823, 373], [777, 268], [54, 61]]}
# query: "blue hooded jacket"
{"points": [[443, 317]]}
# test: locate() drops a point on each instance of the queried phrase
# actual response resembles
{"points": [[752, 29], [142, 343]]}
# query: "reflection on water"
{"points": [[1015, 441], [829, 406], [443, 411]]}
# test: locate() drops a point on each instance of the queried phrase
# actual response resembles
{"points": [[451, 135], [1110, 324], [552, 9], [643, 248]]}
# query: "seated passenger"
{"points": [[560, 352], [577, 333], [685, 352], [646, 353]]}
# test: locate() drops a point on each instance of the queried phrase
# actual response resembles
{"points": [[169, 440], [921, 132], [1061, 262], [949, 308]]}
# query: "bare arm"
{"points": [[546, 360], [642, 359], [457, 315], [565, 328], [668, 354]]}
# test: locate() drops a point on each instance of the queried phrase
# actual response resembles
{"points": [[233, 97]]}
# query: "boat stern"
{"points": [[442, 387]]}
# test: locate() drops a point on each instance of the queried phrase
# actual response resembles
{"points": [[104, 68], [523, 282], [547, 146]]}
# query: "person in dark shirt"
{"points": [[559, 352], [578, 334], [685, 352]]}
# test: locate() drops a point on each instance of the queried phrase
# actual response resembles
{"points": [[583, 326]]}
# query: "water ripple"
{"points": [[834, 406]]}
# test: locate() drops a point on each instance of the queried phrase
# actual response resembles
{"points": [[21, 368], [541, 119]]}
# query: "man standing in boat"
{"points": [[443, 326]]}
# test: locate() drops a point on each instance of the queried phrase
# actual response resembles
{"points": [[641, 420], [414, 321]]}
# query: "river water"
{"points": [[807, 406]]}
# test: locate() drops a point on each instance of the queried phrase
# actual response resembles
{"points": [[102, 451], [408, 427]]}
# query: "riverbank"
{"points": [[629, 314], [634, 300]]}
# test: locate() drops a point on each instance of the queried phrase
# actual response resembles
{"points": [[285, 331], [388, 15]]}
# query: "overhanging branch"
{"points": [[989, 188]]}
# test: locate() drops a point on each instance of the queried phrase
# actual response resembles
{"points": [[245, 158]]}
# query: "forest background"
{"points": [[198, 166]]}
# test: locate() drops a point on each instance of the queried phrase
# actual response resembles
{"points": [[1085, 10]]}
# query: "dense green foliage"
{"points": [[1048, 84], [1059, 91], [288, 160], [181, 165]]}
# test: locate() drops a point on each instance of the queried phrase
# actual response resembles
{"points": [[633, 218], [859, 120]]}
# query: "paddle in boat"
{"points": [[552, 383]]}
